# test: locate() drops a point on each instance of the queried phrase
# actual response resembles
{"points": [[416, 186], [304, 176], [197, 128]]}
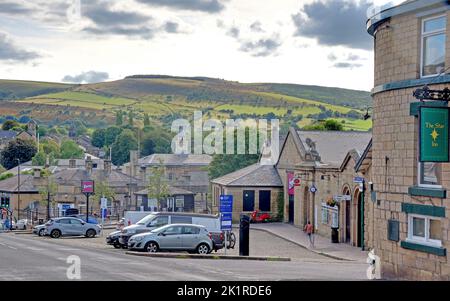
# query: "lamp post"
{"points": [[18, 190]]}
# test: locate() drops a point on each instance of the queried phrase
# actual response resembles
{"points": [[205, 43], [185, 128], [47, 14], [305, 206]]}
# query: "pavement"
{"points": [[29, 257], [322, 245]]}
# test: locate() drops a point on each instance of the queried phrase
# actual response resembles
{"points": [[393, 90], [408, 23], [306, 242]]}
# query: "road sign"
{"points": [[358, 180], [226, 212], [104, 203], [87, 187], [226, 203], [313, 189]]}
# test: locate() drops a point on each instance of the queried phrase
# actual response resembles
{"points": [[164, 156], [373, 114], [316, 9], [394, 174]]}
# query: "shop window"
{"points": [[424, 230], [429, 174], [433, 46]]}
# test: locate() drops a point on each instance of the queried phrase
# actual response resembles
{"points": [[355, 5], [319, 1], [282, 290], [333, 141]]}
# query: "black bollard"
{"points": [[244, 236]]}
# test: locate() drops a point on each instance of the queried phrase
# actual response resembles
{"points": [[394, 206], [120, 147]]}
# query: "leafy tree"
{"points": [[42, 131], [146, 120], [111, 135], [48, 191], [102, 189], [158, 188], [119, 118], [99, 138], [125, 142], [71, 150], [225, 164], [333, 125], [24, 150], [130, 118], [50, 147], [39, 159], [9, 125], [155, 141], [6, 176]]}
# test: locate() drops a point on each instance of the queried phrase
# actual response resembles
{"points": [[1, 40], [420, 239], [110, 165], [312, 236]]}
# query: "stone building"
{"points": [[317, 170], [411, 209], [257, 187], [188, 172]]}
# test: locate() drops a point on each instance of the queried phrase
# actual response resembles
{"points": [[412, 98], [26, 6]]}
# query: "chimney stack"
{"points": [[134, 157], [89, 164], [37, 173]]}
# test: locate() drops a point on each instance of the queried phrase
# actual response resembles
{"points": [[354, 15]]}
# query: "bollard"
{"points": [[244, 235]]}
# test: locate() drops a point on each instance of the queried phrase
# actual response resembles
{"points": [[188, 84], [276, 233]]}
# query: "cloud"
{"points": [[256, 27], [332, 57], [14, 8], [335, 23], [208, 6], [345, 65], [12, 53], [261, 47], [171, 27], [234, 32], [86, 77]]}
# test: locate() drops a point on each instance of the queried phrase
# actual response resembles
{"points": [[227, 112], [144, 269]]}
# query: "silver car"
{"points": [[71, 226], [175, 237], [39, 230]]}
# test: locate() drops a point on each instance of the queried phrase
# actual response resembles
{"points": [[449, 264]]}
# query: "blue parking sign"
{"points": [[226, 221], [226, 212]]}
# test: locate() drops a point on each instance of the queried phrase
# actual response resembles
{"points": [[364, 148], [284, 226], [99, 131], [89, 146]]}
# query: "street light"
{"points": [[18, 191]]}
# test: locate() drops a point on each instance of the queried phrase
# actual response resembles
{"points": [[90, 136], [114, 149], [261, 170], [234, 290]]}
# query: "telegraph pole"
{"points": [[18, 191]]}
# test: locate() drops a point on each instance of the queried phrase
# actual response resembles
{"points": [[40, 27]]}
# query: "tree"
{"points": [[119, 118], [102, 189], [50, 147], [125, 142], [333, 125], [111, 135], [146, 120], [24, 150], [158, 188], [71, 150], [130, 118], [99, 138], [9, 125], [40, 159], [48, 191]]}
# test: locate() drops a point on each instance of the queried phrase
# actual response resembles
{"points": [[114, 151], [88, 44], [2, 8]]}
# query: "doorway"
{"points": [[360, 219], [347, 222], [291, 209]]}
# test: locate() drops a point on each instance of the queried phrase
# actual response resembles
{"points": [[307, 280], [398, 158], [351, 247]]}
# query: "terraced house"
{"points": [[410, 169]]}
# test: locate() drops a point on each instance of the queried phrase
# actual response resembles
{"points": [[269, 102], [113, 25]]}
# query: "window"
{"points": [[424, 230], [64, 221], [429, 174], [159, 221], [176, 230], [433, 46], [325, 217], [181, 219], [75, 222], [264, 200], [191, 230]]}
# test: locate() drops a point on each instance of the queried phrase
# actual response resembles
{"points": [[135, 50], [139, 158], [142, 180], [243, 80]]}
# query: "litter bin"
{"points": [[335, 235], [244, 235]]}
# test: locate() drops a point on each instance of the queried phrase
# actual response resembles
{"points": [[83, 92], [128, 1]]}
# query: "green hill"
{"points": [[14, 89], [168, 97]]}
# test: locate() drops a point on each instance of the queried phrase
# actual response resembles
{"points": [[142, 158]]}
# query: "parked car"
{"points": [[22, 224], [39, 230], [91, 219], [121, 224], [159, 219], [70, 226], [175, 237], [113, 239]]}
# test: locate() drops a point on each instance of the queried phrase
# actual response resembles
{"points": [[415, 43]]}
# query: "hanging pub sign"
{"points": [[434, 134]]}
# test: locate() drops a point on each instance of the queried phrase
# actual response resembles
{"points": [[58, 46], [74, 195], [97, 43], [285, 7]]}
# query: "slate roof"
{"points": [[333, 146], [176, 160], [76, 175], [256, 175], [172, 191], [7, 134], [26, 184]]}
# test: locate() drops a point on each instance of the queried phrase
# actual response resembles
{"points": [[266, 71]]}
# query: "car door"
{"points": [[190, 237], [77, 227], [172, 238], [65, 226]]}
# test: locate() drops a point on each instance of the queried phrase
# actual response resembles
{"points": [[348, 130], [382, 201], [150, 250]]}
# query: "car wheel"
{"points": [[117, 245], [90, 233], [203, 249], [152, 247], [55, 234], [41, 232]]}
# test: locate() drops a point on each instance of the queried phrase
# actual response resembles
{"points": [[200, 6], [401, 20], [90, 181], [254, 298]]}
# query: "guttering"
{"points": [[385, 14]]}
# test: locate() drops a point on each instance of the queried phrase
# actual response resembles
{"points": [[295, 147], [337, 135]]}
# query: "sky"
{"points": [[314, 42]]}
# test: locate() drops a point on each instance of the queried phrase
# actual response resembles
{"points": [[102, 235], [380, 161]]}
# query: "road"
{"points": [[28, 257]]}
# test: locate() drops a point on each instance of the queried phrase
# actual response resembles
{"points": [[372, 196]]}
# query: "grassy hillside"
{"points": [[12, 89], [166, 98]]}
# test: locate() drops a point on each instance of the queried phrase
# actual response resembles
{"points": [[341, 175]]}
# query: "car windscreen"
{"points": [[146, 219]]}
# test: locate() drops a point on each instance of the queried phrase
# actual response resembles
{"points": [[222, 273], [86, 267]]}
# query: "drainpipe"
{"points": [[362, 215]]}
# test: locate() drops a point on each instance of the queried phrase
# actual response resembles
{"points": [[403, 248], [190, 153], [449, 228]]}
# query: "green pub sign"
{"points": [[434, 134]]}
